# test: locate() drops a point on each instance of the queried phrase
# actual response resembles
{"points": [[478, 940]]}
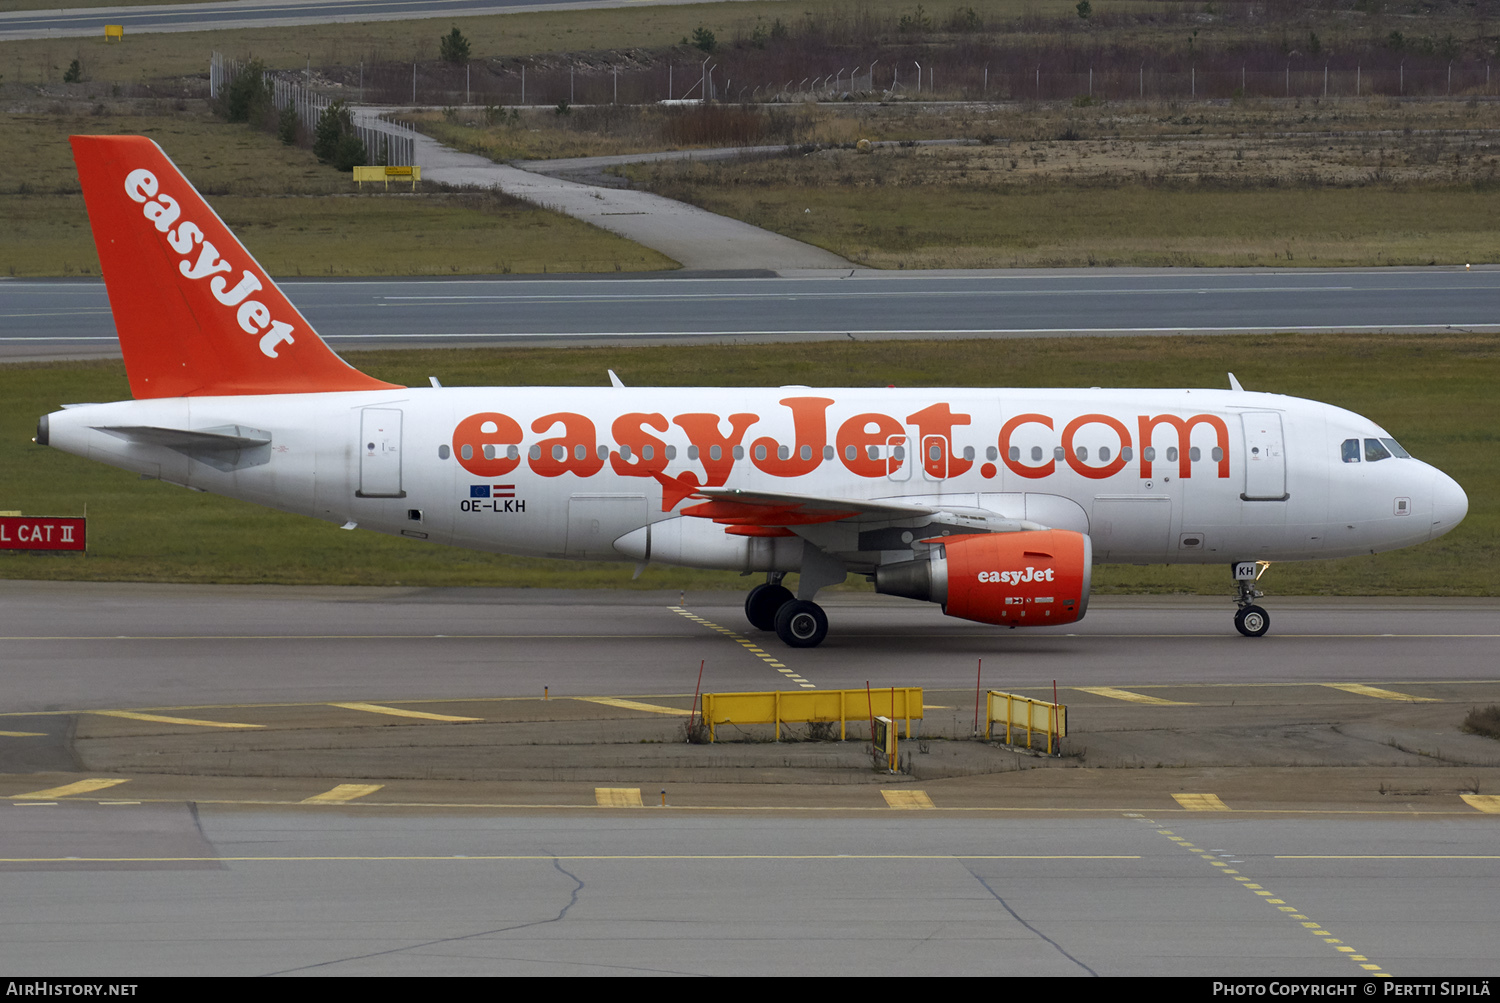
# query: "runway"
{"points": [[1068, 867], [219, 16], [63, 318]]}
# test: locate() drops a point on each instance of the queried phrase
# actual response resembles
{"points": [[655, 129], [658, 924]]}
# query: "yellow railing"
{"points": [[843, 706], [1023, 712], [385, 174]]}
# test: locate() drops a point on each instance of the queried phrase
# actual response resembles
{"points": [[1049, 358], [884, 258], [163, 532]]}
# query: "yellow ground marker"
{"points": [[342, 793], [907, 799], [69, 790], [1114, 694], [1200, 802], [618, 797], [23, 734], [163, 719], [375, 708], [653, 708], [1360, 689], [1487, 803]]}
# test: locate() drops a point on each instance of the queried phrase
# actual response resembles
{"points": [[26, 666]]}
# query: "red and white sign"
{"points": [[42, 532]]}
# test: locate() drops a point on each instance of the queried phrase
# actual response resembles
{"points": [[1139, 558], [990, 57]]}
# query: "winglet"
{"points": [[196, 315]]}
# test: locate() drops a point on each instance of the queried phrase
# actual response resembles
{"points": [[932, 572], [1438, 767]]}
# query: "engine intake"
{"points": [[1024, 579]]}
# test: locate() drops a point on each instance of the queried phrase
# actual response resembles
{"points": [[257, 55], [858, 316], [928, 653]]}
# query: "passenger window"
{"points": [[1171, 454], [1195, 454], [1036, 452], [1015, 453], [991, 453], [1350, 450], [1104, 454], [1375, 451]]}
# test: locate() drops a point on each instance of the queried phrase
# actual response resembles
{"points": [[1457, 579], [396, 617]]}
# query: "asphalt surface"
{"points": [[86, 21], [662, 893], [99, 645], [63, 318], [692, 237], [160, 841]]}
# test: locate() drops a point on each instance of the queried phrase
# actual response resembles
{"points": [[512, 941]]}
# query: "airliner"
{"points": [[993, 503]]}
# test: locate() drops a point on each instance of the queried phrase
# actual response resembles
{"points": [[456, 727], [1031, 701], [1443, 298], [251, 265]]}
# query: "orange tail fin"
{"points": [[196, 315]]}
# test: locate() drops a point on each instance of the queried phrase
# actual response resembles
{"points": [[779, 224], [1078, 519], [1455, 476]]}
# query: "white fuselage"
{"points": [[1153, 476]]}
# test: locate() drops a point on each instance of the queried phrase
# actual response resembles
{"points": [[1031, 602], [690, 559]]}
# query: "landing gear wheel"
{"points": [[801, 624], [763, 602], [1252, 621]]}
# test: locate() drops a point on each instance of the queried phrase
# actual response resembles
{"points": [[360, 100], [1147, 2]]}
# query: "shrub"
{"points": [[1085, 10], [454, 48], [704, 39], [287, 124], [335, 142], [1485, 721], [74, 73], [917, 20], [247, 98]]}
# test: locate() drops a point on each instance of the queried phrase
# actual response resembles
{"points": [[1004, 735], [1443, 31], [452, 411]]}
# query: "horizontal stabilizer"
{"points": [[224, 447]]}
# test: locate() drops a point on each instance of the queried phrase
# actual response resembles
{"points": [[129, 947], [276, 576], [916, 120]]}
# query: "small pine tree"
{"points": [[1085, 10], [454, 48], [704, 39], [73, 74], [247, 98], [286, 125], [335, 122]]}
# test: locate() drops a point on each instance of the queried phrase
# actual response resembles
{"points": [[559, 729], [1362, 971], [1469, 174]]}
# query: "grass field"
{"points": [[1372, 182], [298, 217], [1434, 393]]}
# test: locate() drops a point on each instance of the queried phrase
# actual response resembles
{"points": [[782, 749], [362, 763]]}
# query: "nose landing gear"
{"points": [[1250, 619]]}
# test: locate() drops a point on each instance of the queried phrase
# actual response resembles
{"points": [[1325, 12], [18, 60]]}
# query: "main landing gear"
{"points": [[800, 623], [1250, 619]]}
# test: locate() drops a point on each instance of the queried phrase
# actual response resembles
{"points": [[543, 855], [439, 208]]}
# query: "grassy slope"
{"points": [[270, 195], [1433, 393]]}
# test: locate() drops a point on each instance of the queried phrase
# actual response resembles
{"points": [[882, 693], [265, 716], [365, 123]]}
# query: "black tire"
{"points": [[763, 602], [801, 624], [1252, 621]]}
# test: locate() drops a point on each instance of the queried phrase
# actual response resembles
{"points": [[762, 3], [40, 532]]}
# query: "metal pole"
{"points": [[919, 76], [1091, 81], [413, 83], [361, 81], [523, 83], [1195, 81], [617, 85], [1143, 81], [570, 85], [1325, 80], [466, 84], [704, 68]]}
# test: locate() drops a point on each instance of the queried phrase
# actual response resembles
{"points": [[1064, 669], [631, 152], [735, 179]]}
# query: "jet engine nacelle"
{"points": [[1024, 579]]}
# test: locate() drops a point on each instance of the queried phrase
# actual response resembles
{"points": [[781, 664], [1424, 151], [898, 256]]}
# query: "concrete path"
{"points": [[693, 237]]}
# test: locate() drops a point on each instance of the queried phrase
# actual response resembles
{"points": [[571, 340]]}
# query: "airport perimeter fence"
{"points": [[754, 76], [385, 142]]}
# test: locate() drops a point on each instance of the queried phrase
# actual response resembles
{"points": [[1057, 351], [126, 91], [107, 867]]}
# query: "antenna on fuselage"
{"points": [[614, 380], [1234, 384]]}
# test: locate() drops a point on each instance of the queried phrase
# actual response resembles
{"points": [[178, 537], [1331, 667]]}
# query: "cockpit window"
{"points": [[1351, 450], [1375, 451], [1396, 449]]}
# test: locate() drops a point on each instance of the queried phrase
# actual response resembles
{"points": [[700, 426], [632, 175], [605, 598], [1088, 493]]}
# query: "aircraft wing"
{"points": [[768, 513]]}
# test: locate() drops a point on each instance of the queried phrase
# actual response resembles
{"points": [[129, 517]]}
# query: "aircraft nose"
{"points": [[1449, 504]]}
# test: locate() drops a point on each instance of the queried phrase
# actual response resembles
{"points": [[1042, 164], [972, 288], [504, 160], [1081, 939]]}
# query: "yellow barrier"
{"points": [[1024, 712], [401, 173], [843, 706], [114, 33]]}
